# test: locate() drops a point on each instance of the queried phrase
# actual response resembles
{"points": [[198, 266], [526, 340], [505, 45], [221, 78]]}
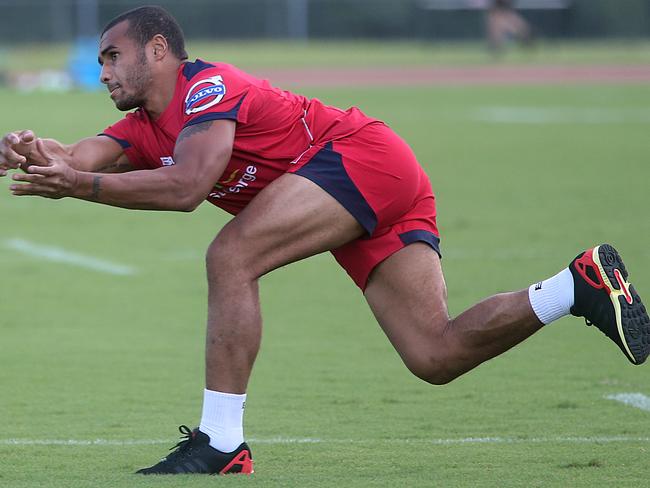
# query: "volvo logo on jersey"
{"points": [[204, 94]]}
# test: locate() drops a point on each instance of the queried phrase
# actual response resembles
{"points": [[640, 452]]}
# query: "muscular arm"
{"points": [[99, 154], [201, 154]]}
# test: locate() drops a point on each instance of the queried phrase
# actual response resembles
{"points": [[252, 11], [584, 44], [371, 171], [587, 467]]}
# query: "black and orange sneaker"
{"points": [[605, 299], [194, 455]]}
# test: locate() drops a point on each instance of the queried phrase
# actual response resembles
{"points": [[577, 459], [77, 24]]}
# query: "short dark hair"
{"points": [[145, 22]]}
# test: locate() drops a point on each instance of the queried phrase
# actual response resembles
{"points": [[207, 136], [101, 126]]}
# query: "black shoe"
{"points": [[194, 454], [605, 299]]}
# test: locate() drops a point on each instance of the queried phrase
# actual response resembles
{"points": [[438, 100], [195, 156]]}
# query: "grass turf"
{"points": [[85, 355], [291, 54]]}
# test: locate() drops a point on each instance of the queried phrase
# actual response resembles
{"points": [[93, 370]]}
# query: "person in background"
{"points": [[504, 23]]}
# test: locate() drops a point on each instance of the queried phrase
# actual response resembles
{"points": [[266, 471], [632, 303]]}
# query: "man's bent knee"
{"points": [[432, 370], [226, 259]]}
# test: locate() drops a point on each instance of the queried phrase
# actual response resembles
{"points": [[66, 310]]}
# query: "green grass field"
{"points": [[261, 54], [114, 363]]}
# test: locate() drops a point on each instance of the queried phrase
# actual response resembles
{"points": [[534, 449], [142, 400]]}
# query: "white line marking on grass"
{"points": [[80, 442], [308, 440], [638, 400], [59, 255], [560, 115], [462, 440]]}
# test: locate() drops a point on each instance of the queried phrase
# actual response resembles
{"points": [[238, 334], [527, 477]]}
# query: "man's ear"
{"points": [[159, 47]]}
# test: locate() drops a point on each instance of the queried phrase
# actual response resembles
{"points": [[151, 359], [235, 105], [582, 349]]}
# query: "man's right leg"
{"points": [[407, 294]]}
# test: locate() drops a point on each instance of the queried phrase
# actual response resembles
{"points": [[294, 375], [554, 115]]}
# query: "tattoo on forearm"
{"points": [[96, 187], [193, 129]]}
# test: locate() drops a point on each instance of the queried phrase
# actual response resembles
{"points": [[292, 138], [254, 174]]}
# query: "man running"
{"points": [[301, 178]]}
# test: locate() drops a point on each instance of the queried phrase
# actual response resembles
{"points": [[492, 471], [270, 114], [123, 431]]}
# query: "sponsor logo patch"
{"points": [[167, 160], [204, 94], [235, 183]]}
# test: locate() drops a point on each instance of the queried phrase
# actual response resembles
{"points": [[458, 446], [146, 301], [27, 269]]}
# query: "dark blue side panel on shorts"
{"points": [[327, 171], [421, 236]]}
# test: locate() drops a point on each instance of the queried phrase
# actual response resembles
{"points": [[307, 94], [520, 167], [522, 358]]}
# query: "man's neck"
{"points": [[161, 92]]}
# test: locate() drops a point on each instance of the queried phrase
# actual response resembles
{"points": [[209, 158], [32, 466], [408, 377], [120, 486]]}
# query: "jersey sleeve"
{"points": [[124, 132], [216, 93]]}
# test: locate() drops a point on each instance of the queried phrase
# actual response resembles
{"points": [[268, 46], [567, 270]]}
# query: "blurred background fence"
{"points": [[64, 20]]}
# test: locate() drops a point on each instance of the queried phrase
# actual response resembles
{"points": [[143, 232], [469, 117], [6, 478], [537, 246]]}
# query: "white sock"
{"points": [[553, 298], [223, 419]]}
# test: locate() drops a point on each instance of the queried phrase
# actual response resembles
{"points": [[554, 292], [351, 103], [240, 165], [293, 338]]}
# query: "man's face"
{"points": [[125, 69]]}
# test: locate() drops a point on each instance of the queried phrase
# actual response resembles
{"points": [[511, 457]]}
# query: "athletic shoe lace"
{"points": [[185, 442]]}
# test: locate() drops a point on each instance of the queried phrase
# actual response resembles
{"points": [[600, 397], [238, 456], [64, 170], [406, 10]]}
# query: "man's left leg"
{"points": [[289, 220]]}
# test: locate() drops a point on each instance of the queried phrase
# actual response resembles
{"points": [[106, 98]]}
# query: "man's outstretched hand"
{"points": [[16, 149], [55, 180]]}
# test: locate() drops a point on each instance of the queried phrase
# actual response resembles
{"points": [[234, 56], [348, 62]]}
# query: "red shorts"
{"points": [[376, 177]]}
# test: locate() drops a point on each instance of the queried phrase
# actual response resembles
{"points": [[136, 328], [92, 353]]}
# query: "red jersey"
{"points": [[274, 128]]}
